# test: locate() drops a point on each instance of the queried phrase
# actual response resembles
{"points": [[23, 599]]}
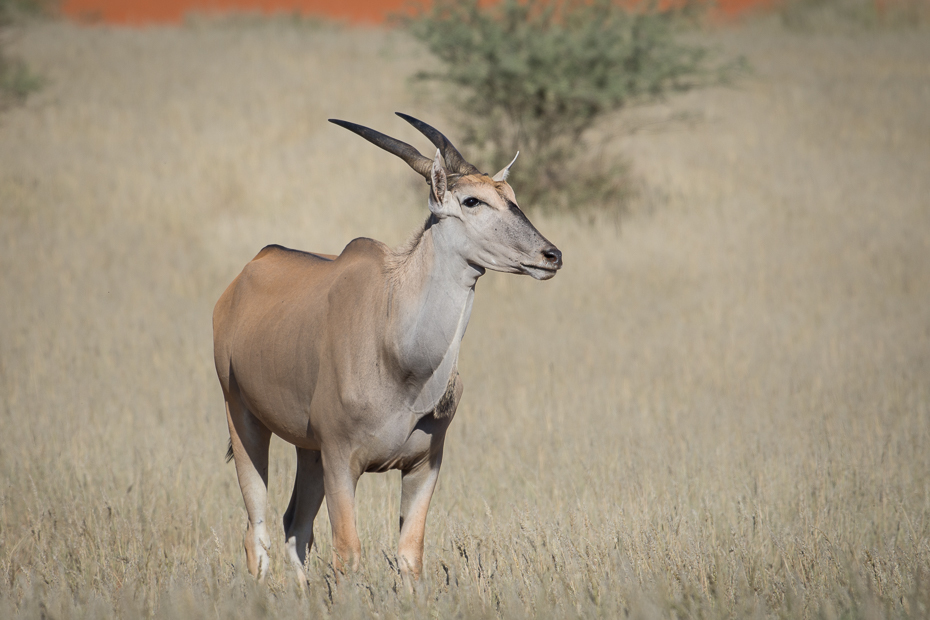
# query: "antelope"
{"points": [[353, 358]]}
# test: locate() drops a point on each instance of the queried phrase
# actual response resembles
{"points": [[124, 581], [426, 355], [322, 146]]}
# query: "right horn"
{"points": [[453, 158], [403, 150]]}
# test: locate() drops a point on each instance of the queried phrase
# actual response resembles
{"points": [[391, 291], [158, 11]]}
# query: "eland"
{"points": [[353, 358]]}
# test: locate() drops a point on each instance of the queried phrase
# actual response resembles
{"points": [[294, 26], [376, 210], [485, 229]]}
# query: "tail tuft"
{"points": [[229, 452]]}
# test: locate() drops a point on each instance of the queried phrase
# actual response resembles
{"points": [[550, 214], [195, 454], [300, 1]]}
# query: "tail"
{"points": [[229, 452]]}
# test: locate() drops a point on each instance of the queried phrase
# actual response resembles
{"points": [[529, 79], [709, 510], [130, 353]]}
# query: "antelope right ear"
{"points": [[438, 186]]}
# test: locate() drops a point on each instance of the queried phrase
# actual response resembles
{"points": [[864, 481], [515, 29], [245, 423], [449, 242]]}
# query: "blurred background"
{"points": [[719, 408]]}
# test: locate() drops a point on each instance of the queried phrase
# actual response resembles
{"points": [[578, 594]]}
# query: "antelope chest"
{"points": [[405, 441]]}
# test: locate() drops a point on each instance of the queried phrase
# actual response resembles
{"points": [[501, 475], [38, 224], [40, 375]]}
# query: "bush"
{"points": [[845, 15], [535, 75], [16, 80]]}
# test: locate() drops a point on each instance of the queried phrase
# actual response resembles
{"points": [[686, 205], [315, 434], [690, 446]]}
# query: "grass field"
{"points": [[720, 408]]}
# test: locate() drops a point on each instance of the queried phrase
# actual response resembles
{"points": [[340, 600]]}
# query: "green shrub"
{"points": [[833, 15], [535, 75], [16, 80]]}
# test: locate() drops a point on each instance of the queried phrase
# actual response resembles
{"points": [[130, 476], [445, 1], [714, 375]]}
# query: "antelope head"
{"points": [[478, 212]]}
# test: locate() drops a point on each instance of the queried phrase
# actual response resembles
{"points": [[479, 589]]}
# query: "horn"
{"points": [[454, 159], [414, 159]]}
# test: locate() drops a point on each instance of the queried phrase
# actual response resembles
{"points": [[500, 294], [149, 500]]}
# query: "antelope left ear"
{"points": [[438, 185], [503, 174]]}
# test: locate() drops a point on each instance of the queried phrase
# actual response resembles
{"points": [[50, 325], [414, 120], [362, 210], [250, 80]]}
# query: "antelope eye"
{"points": [[471, 202]]}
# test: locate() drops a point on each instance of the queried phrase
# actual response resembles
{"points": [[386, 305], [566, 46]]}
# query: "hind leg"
{"points": [[250, 439], [305, 503]]}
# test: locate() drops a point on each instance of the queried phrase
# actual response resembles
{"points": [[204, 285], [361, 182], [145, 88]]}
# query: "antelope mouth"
{"points": [[539, 271]]}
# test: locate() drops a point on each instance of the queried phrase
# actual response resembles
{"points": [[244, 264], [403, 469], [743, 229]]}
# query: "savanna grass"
{"points": [[719, 411]]}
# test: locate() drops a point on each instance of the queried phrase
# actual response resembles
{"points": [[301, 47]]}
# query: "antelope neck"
{"points": [[434, 306]]}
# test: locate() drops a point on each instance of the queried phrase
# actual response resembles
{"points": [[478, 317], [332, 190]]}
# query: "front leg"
{"points": [[417, 488], [419, 482], [339, 480]]}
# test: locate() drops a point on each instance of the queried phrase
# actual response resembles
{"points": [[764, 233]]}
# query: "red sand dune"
{"points": [[173, 11]]}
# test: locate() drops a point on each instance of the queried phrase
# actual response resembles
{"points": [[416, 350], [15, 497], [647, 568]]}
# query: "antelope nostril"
{"points": [[553, 255]]}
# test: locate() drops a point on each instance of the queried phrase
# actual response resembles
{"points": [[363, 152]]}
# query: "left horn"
{"points": [[453, 158], [409, 154]]}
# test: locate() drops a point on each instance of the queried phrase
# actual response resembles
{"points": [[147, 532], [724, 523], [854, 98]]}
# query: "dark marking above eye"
{"points": [[471, 202]]}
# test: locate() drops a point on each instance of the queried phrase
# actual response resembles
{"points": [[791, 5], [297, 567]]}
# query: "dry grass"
{"points": [[721, 410]]}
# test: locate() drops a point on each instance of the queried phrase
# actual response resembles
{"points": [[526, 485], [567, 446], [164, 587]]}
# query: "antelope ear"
{"points": [[438, 185], [503, 174]]}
